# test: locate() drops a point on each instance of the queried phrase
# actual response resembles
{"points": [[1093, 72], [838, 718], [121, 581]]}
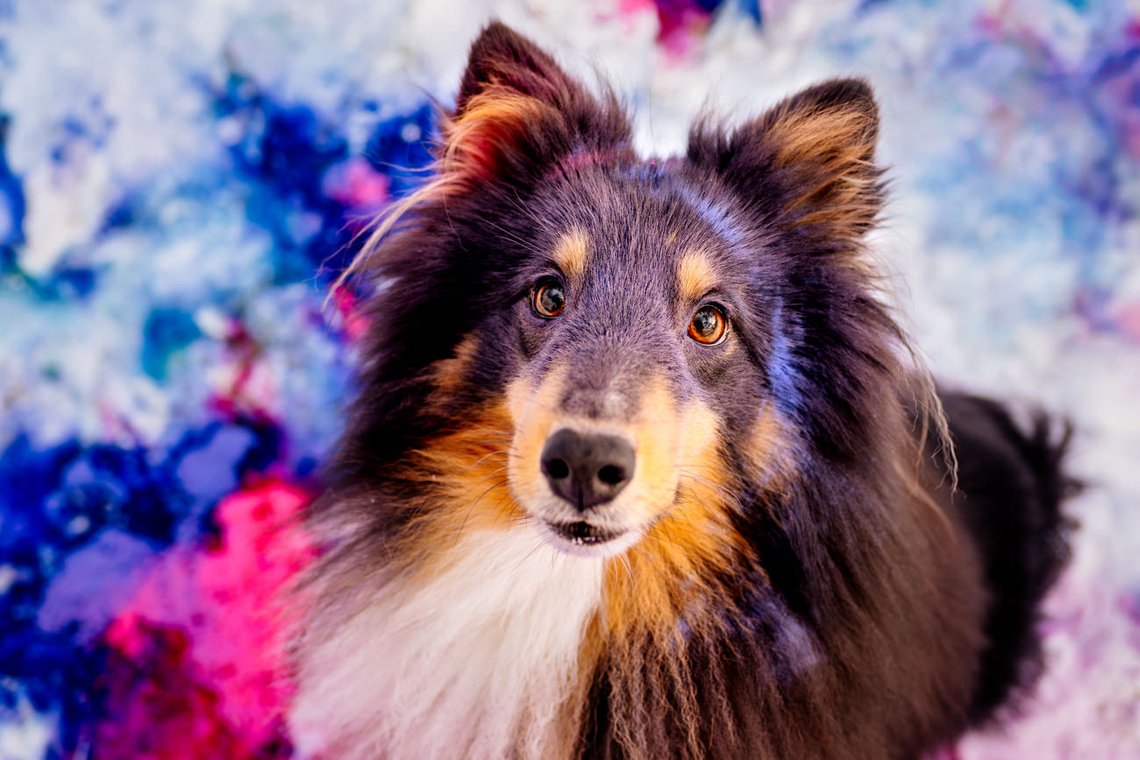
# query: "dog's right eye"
{"points": [[548, 299], [709, 325]]}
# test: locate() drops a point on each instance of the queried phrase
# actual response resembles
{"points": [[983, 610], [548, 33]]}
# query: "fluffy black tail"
{"points": [[1011, 487]]}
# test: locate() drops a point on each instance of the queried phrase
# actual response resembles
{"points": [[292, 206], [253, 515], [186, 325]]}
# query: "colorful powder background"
{"points": [[181, 181]]}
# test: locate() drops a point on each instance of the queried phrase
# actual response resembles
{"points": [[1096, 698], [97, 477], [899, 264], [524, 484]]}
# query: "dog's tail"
{"points": [[1012, 485]]}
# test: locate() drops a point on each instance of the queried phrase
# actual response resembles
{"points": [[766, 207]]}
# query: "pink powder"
{"points": [[356, 184], [197, 666]]}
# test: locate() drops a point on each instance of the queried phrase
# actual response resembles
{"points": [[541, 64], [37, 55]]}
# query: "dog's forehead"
{"points": [[649, 225]]}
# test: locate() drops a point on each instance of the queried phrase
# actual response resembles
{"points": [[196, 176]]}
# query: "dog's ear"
{"points": [[807, 164], [518, 113], [503, 60]]}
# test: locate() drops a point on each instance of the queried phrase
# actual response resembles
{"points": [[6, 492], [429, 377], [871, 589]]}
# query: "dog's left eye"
{"points": [[548, 299], [709, 325]]}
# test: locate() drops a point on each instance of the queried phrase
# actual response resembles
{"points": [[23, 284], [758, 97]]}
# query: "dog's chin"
{"points": [[583, 539]]}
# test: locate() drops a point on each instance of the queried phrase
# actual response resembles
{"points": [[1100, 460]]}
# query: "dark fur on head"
{"points": [[798, 581]]}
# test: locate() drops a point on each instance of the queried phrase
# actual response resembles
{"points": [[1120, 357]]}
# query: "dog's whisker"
{"points": [[721, 489], [487, 456], [471, 508], [624, 557]]}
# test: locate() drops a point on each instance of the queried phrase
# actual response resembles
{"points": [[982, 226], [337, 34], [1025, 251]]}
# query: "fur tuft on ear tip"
{"points": [[850, 92], [518, 113], [501, 57]]}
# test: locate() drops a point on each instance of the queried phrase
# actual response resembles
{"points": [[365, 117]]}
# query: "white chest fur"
{"points": [[474, 663]]}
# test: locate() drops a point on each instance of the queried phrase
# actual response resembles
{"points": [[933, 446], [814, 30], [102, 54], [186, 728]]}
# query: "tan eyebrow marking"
{"points": [[571, 252], [695, 275]]}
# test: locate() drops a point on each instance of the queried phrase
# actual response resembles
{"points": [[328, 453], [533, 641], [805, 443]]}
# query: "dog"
{"points": [[641, 465]]}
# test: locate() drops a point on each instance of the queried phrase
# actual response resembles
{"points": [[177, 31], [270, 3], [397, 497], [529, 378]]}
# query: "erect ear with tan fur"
{"points": [[518, 113], [807, 164]]}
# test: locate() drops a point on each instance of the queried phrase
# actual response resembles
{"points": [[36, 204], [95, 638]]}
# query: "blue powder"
{"points": [[283, 153], [13, 205], [398, 148], [68, 282], [94, 583], [753, 10], [167, 330], [50, 670]]}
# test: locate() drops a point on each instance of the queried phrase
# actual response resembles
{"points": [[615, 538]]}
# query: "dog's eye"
{"points": [[548, 299], [708, 325]]}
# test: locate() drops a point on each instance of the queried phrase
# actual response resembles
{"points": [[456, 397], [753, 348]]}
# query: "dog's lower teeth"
{"points": [[582, 534]]}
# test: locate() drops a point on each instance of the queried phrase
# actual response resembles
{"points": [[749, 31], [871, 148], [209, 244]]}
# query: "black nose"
{"points": [[587, 469]]}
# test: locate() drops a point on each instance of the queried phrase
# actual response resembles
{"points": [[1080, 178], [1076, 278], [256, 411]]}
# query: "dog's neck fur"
{"points": [[479, 661]]}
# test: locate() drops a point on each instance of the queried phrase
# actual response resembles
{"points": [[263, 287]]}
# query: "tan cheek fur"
{"points": [[448, 375], [656, 440], [690, 539], [768, 448], [533, 416], [468, 468]]}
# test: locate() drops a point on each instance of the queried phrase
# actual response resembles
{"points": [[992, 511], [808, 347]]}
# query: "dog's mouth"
{"points": [[584, 539], [583, 533]]}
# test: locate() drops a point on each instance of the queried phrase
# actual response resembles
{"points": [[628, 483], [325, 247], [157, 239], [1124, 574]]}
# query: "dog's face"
{"points": [[637, 348], [655, 338]]}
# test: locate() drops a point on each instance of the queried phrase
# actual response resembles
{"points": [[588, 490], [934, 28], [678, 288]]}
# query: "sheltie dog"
{"points": [[642, 465]]}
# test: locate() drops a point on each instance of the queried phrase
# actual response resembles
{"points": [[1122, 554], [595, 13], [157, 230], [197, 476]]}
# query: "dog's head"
{"points": [[660, 337]]}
